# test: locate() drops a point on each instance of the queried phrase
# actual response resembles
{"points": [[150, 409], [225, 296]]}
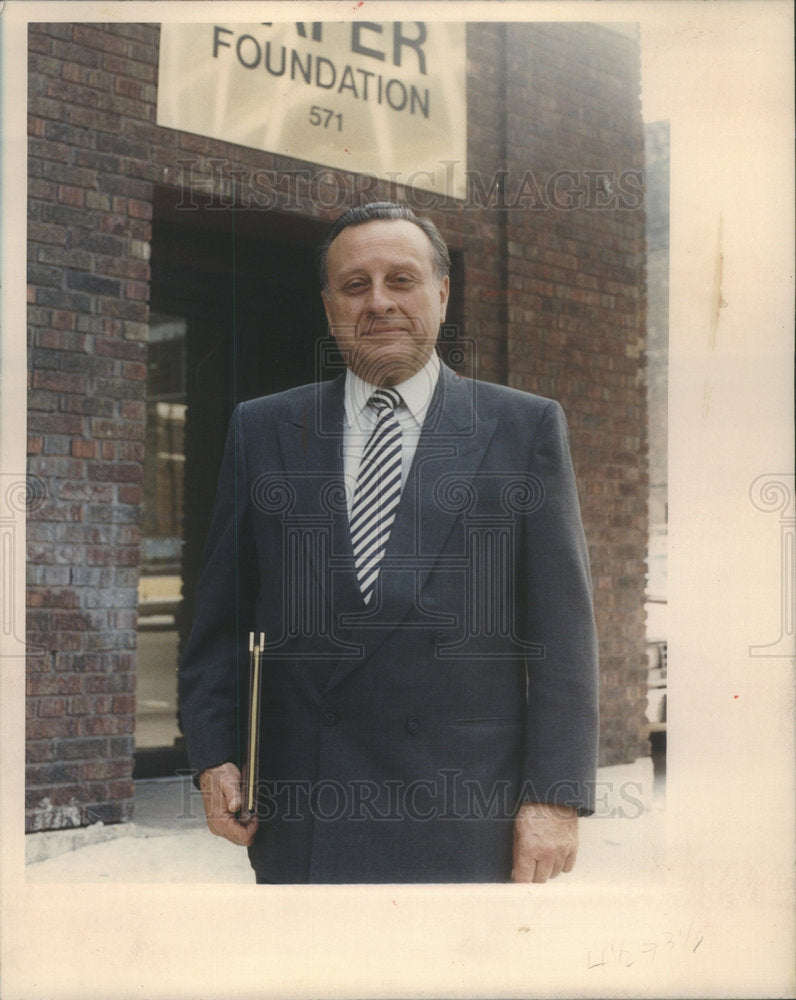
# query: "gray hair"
{"points": [[385, 210]]}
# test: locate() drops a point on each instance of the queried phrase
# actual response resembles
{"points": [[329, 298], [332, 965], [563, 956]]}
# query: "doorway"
{"points": [[235, 312]]}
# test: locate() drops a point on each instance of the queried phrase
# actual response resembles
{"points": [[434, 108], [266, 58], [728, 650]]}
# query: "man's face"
{"points": [[384, 301]]}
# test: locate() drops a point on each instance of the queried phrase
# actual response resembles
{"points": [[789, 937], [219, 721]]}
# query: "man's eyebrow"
{"points": [[406, 265]]}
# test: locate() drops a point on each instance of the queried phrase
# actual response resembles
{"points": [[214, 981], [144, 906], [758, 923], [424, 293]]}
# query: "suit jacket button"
{"points": [[412, 726], [330, 718]]}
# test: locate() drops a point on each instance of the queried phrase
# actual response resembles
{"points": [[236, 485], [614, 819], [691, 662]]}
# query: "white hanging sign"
{"points": [[385, 99]]}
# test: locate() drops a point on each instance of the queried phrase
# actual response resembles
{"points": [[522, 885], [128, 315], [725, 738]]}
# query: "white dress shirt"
{"points": [[360, 419]]}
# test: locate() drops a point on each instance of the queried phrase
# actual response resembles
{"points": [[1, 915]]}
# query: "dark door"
{"points": [[235, 313]]}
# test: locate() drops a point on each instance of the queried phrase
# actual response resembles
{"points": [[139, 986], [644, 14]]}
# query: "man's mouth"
{"points": [[380, 329]]}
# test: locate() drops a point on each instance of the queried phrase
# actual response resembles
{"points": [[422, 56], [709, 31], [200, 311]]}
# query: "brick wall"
{"points": [[90, 205], [555, 296], [576, 315], [552, 301]]}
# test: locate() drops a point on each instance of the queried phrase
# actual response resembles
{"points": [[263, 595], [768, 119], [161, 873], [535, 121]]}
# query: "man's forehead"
{"points": [[398, 235]]}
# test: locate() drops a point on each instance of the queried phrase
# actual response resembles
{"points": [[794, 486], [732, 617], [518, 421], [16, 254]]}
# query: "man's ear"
{"points": [[444, 293], [326, 307]]}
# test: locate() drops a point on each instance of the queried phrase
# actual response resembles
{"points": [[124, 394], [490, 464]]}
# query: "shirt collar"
{"points": [[416, 392]]}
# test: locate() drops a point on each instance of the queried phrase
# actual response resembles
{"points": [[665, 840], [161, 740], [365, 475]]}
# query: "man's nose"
{"points": [[380, 300]]}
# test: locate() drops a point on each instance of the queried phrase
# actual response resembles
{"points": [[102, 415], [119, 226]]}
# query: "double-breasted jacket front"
{"points": [[397, 739]]}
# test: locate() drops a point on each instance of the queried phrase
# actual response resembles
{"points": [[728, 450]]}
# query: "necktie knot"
{"points": [[384, 399]]}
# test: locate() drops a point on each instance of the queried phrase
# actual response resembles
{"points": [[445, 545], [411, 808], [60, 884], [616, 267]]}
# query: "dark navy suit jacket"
{"points": [[398, 740]]}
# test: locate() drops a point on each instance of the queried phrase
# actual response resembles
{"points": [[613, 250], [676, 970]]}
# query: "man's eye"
{"points": [[354, 286], [402, 279]]}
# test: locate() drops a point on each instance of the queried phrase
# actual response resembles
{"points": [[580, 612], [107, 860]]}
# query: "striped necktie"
{"points": [[377, 491]]}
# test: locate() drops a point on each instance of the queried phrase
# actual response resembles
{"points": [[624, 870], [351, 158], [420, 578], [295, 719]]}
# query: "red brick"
{"points": [[84, 449], [50, 707], [134, 371], [38, 751], [106, 725], [136, 290], [59, 381], [131, 494], [139, 209], [52, 728], [71, 195], [51, 598]]}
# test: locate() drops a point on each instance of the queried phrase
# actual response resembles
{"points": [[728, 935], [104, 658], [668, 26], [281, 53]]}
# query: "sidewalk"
{"points": [[169, 840]]}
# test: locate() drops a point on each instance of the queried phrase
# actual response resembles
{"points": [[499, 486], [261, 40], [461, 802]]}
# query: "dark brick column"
{"points": [[90, 207], [576, 314]]}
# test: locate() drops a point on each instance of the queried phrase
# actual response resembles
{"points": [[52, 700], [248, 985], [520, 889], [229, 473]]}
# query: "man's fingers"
{"points": [[545, 842], [523, 870], [230, 789], [569, 864], [231, 829], [221, 793], [225, 824], [543, 871]]}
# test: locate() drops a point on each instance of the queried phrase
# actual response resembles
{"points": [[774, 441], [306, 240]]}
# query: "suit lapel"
{"points": [[311, 448], [311, 445], [449, 452]]}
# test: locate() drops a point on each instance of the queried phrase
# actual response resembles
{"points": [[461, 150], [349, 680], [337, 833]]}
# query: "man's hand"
{"points": [[222, 796], [545, 841]]}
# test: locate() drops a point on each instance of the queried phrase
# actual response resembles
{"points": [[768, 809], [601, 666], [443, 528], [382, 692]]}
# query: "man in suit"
{"points": [[429, 696]]}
